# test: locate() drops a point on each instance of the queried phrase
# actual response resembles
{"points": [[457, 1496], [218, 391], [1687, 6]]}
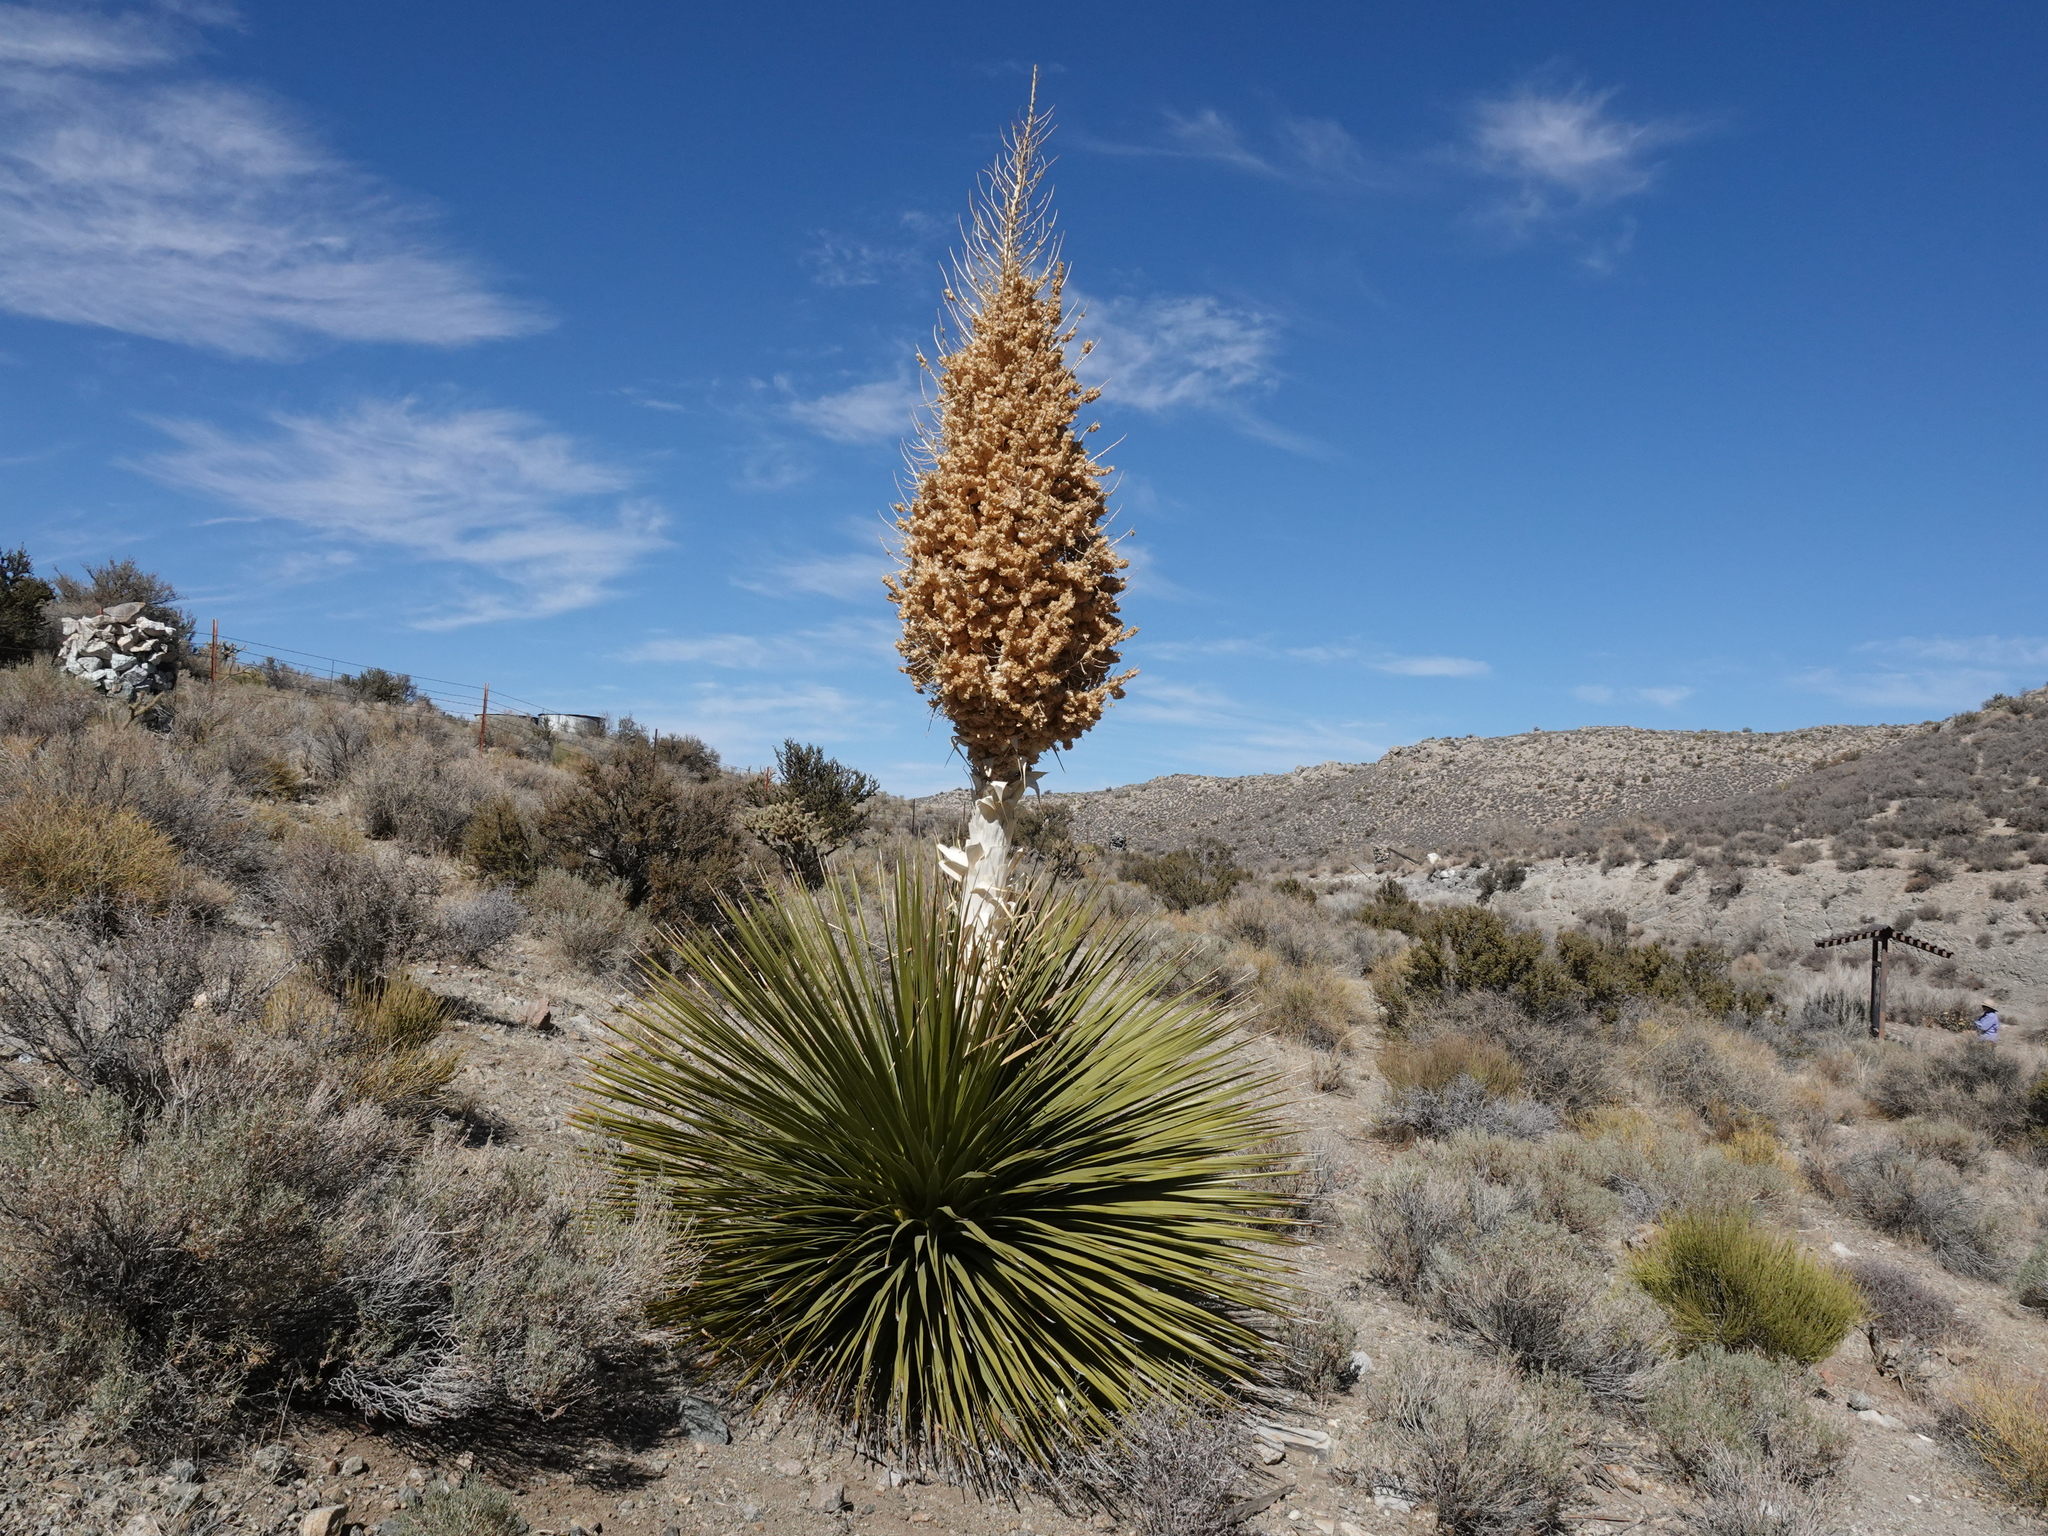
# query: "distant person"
{"points": [[1987, 1021]]}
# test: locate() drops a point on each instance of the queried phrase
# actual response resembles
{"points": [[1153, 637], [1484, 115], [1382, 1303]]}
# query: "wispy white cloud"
{"points": [[884, 410], [1666, 697], [849, 577], [491, 490], [1563, 154], [839, 260], [1935, 673], [197, 212], [1431, 666], [1313, 152], [1241, 737], [854, 643], [1172, 352]]}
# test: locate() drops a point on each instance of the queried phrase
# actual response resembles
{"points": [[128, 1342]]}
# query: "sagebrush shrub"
{"points": [[1972, 1084], [1528, 1291], [590, 924], [1724, 1280], [1495, 1456], [1718, 1073], [1566, 1061], [58, 854], [890, 1154], [1902, 1193], [1465, 1105], [353, 915], [1717, 1403], [38, 702], [472, 928], [1412, 1210], [416, 792], [1315, 1348]]}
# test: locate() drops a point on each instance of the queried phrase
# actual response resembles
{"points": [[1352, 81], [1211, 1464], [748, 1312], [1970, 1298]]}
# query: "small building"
{"points": [[571, 725]]}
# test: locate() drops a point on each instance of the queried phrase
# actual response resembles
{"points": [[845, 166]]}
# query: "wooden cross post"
{"points": [[1881, 936]]}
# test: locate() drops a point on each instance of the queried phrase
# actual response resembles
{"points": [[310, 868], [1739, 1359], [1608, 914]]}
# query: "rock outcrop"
{"points": [[121, 652]]}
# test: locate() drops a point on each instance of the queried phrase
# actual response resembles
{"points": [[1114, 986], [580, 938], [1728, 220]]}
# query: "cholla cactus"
{"points": [[1008, 586]]}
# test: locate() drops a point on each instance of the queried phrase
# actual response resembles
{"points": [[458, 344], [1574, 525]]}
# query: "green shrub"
{"points": [[57, 854], [810, 807], [1725, 1281], [966, 1213], [1186, 878], [1716, 1403], [500, 844]]}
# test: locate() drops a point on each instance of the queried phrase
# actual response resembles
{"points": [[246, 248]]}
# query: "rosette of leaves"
{"points": [[969, 1203]]}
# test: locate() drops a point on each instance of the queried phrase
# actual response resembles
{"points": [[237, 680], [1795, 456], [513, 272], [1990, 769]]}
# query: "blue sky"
{"points": [[1472, 367]]}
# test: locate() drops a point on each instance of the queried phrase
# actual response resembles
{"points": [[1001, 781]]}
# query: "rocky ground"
{"points": [[1455, 790]]}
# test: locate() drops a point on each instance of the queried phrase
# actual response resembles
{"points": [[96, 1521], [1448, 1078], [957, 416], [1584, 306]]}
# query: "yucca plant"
{"points": [[969, 1202], [1008, 586]]}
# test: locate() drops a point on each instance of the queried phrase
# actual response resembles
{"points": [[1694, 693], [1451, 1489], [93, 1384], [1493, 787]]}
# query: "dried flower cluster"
{"points": [[1008, 588]]}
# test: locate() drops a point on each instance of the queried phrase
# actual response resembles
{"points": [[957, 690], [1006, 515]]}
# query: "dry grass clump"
{"points": [[1495, 1455], [1442, 1061], [2000, 1419], [2030, 1280], [1464, 1106], [1725, 1281], [1900, 1192], [1315, 1008], [475, 1509], [58, 854], [1316, 1343], [1567, 1060], [1970, 1084], [352, 914], [1715, 1072]]}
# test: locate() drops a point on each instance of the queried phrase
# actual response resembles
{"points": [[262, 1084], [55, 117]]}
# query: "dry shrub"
{"points": [[1970, 1084], [1725, 1281], [416, 792], [58, 854], [470, 929], [38, 702], [1412, 1210], [1464, 1106], [475, 1509], [98, 1015], [1291, 928], [1564, 1180], [1186, 878], [2030, 1281], [1722, 1075], [117, 768], [1170, 1469], [1566, 1060], [1716, 1404], [1742, 1496], [1496, 1456], [1314, 1008], [168, 1274], [1961, 1147], [1656, 1168], [1900, 1307], [1904, 1194], [2000, 1420], [1529, 1291], [351, 914], [1316, 1342], [590, 924]]}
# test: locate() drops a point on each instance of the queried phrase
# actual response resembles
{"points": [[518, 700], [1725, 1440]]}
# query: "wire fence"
{"points": [[240, 653]]}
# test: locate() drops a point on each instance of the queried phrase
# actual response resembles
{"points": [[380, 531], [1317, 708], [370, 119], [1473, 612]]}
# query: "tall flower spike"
{"points": [[1008, 586]]}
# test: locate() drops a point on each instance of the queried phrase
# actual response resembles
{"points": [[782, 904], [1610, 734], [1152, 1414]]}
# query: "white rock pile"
{"points": [[121, 653]]}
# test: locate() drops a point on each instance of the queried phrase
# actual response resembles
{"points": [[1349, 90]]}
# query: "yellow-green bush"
{"points": [[1724, 1280], [2002, 1419], [56, 852]]}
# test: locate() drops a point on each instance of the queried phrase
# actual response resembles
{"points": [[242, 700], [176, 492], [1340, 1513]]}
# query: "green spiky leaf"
{"points": [[971, 1203]]}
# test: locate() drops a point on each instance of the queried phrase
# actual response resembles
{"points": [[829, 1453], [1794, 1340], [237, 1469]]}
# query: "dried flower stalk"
{"points": [[1008, 586]]}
